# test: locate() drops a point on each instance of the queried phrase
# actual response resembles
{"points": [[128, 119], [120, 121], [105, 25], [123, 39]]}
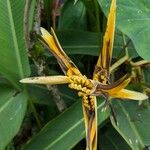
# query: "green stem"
{"points": [[123, 59], [35, 113], [118, 63], [139, 63], [125, 43], [10, 146]]}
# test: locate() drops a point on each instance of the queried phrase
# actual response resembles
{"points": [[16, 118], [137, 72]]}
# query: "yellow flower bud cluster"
{"points": [[84, 86]]}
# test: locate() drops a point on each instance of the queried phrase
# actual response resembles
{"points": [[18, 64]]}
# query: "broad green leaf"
{"points": [[133, 20], [12, 110], [13, 62], [73, 16], [133, 123], [79, 42], [111, 140], [65, 131], [92, 15], [88, 43], [67, 94], [40, 95], [48, 6], [120, 44]]}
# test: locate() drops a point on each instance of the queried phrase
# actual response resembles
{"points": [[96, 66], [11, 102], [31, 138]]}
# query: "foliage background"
{"points": [[39, 117]]}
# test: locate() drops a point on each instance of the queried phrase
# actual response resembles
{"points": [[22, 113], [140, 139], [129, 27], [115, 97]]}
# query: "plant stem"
{"points": [[139, 63], [60, 103], [35, 113], [125, 43], [123, 59], [118, 63], [10, 146]]}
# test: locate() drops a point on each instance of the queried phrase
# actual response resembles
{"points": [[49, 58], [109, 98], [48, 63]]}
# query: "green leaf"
{"points": [[14, 64], [119, 46], [88, 43], [12, 110], [79, 42], [65, 131], [31, 13], [111, 140], [133, 20], [39, 94], [73, 16], [133, 123], [48, 8], [92, 15]]}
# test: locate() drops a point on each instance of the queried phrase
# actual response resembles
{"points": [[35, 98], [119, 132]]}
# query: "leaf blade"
{"points": [[14, 107], [13, 50], [48, 135], [130, 123], [133, 20]]}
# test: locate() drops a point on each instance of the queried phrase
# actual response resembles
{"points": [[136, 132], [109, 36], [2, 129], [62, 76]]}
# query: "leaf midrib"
{"points": [[6, 104], [17, 52], [63, 135], [68, 130]]}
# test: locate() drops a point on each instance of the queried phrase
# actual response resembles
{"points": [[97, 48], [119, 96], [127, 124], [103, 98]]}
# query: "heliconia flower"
{"points": [[88, 89]]}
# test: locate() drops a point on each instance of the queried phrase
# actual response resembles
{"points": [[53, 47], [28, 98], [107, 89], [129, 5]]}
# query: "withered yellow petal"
{"points": [[49, 40], [128, 94], [117, 86], [108, 40], [46, 80], [90, 119], [110, 88], [55, 47], [104, 59]]}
